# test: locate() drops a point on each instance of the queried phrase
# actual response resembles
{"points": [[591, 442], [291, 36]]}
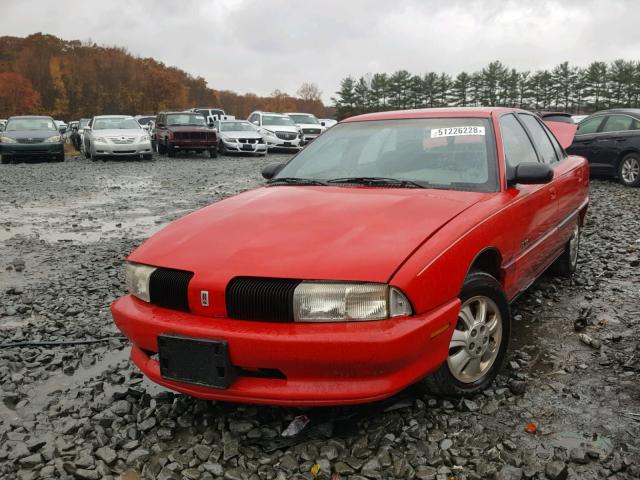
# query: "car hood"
{"points": [[310, 125], [188, 128], [323, 233], [281, 128], [125, 132], [30, 133], [240, 134]]}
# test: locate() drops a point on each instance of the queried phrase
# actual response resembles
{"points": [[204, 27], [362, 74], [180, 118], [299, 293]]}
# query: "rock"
{"points": [[371, 469], [214, 468], [470, 405], [239, 427], [556, 470], [202, 452], [288, 463], [137, 457], [517, 387], [106, 454], [425, 472], [31, 461], [509, 473], [191, 473], [446, 444], [85, 474], [236, 474], [578, 455], [121, 407], [147, 424]]}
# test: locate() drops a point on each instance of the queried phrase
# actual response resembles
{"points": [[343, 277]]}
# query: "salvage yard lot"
{"points": [[82, 411]]}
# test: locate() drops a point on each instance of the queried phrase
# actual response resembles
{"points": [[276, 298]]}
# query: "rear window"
{"points": [[446, 153]]}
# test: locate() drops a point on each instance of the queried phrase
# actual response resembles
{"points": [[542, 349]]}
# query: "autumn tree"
{"points": [[17, 95]]}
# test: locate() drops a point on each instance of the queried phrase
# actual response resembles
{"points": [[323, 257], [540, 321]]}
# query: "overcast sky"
{"points": [[260, 45]]}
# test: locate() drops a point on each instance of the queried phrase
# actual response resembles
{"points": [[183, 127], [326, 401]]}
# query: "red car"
{"points": [[385, 253]]}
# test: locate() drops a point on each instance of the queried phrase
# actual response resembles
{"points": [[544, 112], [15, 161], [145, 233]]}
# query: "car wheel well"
{"points": [[488, 261], [624, 154]]}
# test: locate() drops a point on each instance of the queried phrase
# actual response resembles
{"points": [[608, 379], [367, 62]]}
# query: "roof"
{"points": [[113, 116], [482, 112], [632, 111], [30, 116]]}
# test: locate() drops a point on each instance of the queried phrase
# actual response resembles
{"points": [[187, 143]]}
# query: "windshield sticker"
{"points": [[456, 131]]}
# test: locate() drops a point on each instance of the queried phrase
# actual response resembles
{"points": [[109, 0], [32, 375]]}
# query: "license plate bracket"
{"points": [[247, 146], [196, 360]]}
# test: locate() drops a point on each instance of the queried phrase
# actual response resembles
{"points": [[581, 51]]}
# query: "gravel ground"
{"points": [[566, 405]]}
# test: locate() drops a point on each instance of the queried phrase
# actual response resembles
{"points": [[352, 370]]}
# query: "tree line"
{"points": [[43, 74], [565, 87]]}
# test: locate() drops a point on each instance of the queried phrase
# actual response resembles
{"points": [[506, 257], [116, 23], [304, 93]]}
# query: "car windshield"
{"points": [[236, 127], [304, 118], [277, 120], [117, 123], [445, 153], [186, 119], [84, 122], [18, 124], [145, 120]]}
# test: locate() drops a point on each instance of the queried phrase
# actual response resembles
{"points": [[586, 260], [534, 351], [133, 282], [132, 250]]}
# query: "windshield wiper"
{"points": [[295, 181], [378, 182]]}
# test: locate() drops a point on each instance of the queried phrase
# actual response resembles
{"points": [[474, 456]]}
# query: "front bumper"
{"points": [[324, 364], [278, 143], [32, 149], [186, 144], [126, 149], [244, 147]]}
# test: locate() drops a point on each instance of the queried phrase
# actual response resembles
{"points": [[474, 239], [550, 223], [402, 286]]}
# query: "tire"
{"points": [[221, 148], [5, 159], [147, 156], [170, 150], [629, 170], [87, 153], [479, 288], [161, 148], [566, 263], [59, 158], [213, 153]]}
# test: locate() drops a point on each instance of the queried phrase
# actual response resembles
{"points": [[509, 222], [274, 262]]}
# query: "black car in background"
{"points": [[610, 141], [31, 136]]}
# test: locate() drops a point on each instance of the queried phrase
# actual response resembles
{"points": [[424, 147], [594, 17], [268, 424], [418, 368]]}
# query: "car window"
{"points": [[21, 124], [445, 153], [277, 120], [617, 123], [516, 144], [116, 123], [540, 138], [589, 125]]}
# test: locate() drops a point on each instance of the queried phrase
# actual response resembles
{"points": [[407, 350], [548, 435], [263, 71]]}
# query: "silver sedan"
{"points": [[116, 136], [240, 136]]}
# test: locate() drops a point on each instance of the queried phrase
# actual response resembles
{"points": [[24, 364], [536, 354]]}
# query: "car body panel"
{"points": [[421, 241]]}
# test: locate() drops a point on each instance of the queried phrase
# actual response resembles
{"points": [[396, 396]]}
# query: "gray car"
{"points": [[240, 136], [31, 136], [116, 136]]}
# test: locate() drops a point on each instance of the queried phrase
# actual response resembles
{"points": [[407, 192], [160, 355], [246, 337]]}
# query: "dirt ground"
{"points": [[561, 408]]}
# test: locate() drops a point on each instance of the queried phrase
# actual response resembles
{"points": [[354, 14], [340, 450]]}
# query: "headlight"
{"points": [[7, 140], [138, 276], [347, 302], [144, 138], [54, 139], [268, 133], [100, 140]]}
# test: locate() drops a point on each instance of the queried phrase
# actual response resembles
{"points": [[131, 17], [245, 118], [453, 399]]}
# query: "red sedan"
{"points": [[385, 253]]}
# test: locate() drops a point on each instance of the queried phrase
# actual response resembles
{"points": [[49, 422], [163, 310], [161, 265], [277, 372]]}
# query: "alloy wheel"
{"points": [[630, 170], [476, 340]]}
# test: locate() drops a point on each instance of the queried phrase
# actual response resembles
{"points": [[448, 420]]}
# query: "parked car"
{"points": [[3, 123], [145, 121], [116, 136], [384, 253], [309, 125], [61, 126], [31, 136], [610, 141], [279, 131], [211, 114], [240, 136], [578, 118], [328, 122], [175, 131]]}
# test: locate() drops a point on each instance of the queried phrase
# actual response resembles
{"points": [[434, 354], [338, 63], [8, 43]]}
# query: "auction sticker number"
{"points": [[456, 131]]}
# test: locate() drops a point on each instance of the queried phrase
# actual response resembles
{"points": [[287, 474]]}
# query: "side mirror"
{"points": [[256, 123], [532, 173], [211, 124], [322, 124], [271, 170]]}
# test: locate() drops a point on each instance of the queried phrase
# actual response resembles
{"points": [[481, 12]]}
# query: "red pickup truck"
{"points": [[176, 131]]}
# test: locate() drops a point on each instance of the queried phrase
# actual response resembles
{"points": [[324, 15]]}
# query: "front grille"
{"points": [[122, 140], [249, 140], [261, 299], [30, 140], [311, 131], [168, 288], [286, 135], [190, 135]]}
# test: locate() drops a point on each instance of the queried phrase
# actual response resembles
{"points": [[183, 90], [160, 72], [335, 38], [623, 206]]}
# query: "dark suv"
{"points": [[184, 131]]}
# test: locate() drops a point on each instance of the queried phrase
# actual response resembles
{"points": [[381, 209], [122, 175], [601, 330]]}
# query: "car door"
{"points": [[584, 143], [533, 208], [569, 180], [616, 135]]}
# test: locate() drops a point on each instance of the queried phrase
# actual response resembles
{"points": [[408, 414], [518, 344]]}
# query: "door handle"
{"points": [[621, 139], [553, 193]]}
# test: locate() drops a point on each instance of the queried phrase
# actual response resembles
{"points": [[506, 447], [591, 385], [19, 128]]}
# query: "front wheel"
{"points": [[479, 342], [629, 170], [170, 150], [567, 263], [213, 153]]}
